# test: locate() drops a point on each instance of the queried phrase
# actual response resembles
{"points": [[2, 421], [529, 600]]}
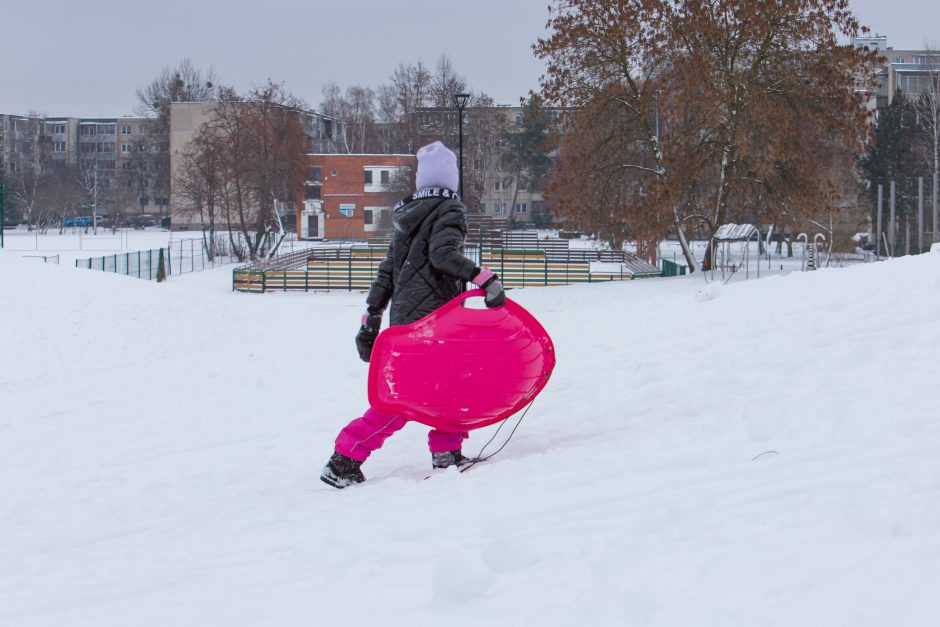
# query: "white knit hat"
{"points": [[437, 167]]}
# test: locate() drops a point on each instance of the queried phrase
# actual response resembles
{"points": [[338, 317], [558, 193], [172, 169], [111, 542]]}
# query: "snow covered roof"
{"points": [[734, 232]]}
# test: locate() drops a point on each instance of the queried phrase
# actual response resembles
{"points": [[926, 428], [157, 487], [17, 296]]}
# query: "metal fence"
{"points": [[45, 258], [184, 256], [193, 255], [142, 264], [354, 268]]}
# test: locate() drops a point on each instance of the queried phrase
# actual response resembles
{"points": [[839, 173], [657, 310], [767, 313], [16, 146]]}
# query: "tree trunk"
{"points": [[686, 249]]}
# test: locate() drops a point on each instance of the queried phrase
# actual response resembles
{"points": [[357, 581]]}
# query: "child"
{"points": [[424, 268]]}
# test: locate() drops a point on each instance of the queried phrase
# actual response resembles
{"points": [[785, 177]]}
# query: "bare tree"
{"points": [[63, 196], [183, 83], [356, 111], [26, 190], [445, 83], [484, 128], [201, 184], [411, 89], [258, 139], [387, 119]]}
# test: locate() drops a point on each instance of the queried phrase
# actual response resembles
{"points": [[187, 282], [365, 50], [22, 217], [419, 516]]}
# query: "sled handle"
{"points": [[461, 299], [464, 296]]}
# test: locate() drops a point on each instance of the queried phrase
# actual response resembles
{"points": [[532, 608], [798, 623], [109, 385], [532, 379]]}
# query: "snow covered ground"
{"points": [[758, 453], [76, 243]]}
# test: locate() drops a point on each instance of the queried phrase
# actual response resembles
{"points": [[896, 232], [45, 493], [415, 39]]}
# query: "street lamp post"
{"points": [[460, 101]]}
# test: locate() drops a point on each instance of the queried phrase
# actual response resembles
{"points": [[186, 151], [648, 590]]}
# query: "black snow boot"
{"points": [[450, 458], [342, 472]]}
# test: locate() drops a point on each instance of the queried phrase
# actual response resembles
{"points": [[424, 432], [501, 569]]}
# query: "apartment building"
{"points": [[108, 154], [24, 142], [351, 196], [912, 72], [116, 157]]}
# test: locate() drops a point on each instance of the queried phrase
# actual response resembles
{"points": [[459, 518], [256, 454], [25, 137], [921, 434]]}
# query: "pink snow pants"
{"points": [[368, 433]]}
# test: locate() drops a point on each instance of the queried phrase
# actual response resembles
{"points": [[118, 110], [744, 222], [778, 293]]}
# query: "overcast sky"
{"points": [[85, 58]]}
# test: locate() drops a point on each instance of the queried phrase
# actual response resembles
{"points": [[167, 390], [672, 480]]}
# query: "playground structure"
{"points": [[728, 261], [722, 254], [811, 251]]}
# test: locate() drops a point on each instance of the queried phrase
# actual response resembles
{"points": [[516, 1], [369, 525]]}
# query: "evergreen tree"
{"points": [[893, 155], [526, 149]]}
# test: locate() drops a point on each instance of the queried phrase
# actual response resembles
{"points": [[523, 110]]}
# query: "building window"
{"points": [[368, 177], [522, 207], [125, 130], [125, 148], [499, 208], [58, 147], [372, 217], [142, 147], [498, 186], [384, 177], [58, 128], [313, 174], [523, 185], [312, 192]]}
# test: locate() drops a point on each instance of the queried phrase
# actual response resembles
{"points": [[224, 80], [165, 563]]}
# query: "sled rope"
{"points": [[479, 458]]}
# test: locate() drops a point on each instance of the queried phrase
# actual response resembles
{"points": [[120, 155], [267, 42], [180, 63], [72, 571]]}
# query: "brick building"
{"points": [[351, 196]]}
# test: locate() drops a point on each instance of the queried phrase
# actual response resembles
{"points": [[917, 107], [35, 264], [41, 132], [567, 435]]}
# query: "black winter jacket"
{"points": [[425, 266]]}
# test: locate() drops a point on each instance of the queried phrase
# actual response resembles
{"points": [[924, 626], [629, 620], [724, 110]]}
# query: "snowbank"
{"points": [[761, 453]]}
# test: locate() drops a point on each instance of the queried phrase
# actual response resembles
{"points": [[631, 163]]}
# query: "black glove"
{"points": [[488, 281], [365, 339]]}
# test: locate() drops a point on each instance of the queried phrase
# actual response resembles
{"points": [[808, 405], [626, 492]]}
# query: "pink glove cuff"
{"points": [[482, 277], [365, 319]]}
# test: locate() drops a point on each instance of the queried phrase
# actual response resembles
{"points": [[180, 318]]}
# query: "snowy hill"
{"points": [[763, 453]]}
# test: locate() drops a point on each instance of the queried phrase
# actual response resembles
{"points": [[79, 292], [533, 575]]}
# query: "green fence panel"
{"points": [[671, 268]]}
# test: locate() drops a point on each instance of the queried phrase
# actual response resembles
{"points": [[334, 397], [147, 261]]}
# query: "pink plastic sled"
{"points": [[460, 368]]}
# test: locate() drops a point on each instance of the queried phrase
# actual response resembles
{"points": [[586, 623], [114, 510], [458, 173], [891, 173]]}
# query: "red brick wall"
{"points": [[347, 187]]}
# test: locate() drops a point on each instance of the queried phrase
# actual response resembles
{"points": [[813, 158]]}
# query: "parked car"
{"points": [[84, 221], [139, 222]]}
